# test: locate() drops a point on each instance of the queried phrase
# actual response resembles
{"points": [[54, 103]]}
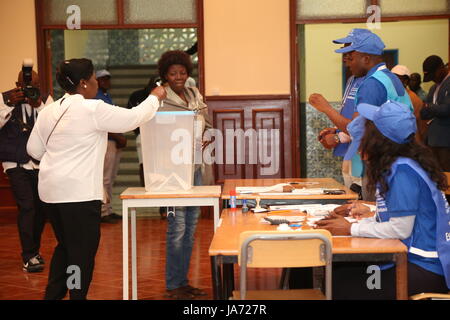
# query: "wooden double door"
{"points": [[254, 137]]}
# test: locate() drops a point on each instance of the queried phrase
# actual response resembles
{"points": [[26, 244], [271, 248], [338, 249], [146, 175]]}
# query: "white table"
{"points": [[133, 198]]}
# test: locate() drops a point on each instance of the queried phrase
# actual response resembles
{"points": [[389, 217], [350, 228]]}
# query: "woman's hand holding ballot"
{"points": [[355, 209], [359, 211]]}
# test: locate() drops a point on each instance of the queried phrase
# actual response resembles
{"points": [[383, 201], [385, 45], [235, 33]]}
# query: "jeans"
{"points": [[179, 242]]}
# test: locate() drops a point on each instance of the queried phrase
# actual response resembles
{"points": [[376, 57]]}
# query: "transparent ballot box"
{"points": [[168, 151]]}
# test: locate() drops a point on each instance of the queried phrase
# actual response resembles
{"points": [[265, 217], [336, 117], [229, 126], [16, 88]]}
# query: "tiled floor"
{"points": [[107, 282]]}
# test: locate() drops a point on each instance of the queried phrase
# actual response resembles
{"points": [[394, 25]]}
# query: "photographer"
{"points": [[18, 111]]}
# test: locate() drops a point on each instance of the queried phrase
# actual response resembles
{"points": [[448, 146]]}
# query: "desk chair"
{"points": [[281, 249], [431, 296]]}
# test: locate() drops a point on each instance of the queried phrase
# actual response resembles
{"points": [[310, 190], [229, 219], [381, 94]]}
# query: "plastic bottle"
{"points": [[233, 199]]}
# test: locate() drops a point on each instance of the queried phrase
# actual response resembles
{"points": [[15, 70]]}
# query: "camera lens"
{"points": [[32, 93]]}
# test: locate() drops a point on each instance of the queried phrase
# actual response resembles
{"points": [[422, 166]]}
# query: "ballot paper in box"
{"points": [[168, 151]]}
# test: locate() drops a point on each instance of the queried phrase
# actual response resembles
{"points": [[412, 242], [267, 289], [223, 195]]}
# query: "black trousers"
{"points": [[31, 218], [77, 230], [350, 282]]}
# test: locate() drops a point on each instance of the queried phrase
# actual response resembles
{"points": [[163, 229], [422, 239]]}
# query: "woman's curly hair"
{"points": [[170, 58], [380, 152]]}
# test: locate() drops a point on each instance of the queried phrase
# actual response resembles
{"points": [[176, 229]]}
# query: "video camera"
{"points": [[30, 92]]}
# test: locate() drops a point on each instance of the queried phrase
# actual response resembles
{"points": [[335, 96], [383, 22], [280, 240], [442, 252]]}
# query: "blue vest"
{"points": [[392, 94], [348, 108], [14, 137], [419, 246]]}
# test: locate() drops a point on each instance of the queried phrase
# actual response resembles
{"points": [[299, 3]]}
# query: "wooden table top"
{"points": [[226, 239], [195, 192], [325, 183]]}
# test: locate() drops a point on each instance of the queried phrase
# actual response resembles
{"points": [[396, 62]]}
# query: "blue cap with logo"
{"points": [[393, 119], [361, 40]]}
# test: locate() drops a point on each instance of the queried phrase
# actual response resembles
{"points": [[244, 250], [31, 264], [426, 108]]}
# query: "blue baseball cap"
{"points": [[356, 131], [394, 120], [361, 40]]}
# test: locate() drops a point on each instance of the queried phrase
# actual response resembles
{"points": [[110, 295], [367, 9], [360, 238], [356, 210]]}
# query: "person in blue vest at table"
{"points": [[379, 85], [410, 206], [116, 142]]}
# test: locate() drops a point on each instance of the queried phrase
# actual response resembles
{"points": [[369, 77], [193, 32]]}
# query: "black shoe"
{"points": [[33, 265], [108, 219], [115, 216], [40, 259]]}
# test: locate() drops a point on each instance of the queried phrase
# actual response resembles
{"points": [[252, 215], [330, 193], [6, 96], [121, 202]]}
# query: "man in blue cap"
{"points": [[379, 85], [336, 137]]}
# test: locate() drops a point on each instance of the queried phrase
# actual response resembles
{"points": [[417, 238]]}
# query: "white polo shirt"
{"points": [[71, 168]]}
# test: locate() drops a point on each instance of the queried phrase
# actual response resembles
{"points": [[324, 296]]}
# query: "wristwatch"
{"points": [[336, 138]]}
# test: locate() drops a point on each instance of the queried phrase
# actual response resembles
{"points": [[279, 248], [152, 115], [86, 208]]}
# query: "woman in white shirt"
{"points": [[70, 138]]}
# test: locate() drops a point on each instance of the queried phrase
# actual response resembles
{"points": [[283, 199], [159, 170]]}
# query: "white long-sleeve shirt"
{"points": [[395, 228], [71, 168]]}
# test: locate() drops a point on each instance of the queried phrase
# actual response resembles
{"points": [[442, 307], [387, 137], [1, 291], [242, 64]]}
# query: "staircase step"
{"points": [[128, 172], [129, 154], [128, 165], [130, 81], [147, 72], [121, 92], [128, 184], [130, 160]]}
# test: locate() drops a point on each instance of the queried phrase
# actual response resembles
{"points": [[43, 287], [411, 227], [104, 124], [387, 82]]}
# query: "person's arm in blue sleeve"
{"points": [[372, 92]]}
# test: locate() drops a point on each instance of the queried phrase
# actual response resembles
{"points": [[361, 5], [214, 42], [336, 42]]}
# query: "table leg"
{"points": [[216, 278], [228, 280], [133, 255], [216, 213], [125, 249], [401, 270]]}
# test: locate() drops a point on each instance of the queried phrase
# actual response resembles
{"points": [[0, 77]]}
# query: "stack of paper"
{"points": [[311, 209]]}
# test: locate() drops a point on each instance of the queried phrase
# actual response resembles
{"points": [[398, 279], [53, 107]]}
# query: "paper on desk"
{"points": [[308, 191], [277, 187], [312, 209], [300, 192]]}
